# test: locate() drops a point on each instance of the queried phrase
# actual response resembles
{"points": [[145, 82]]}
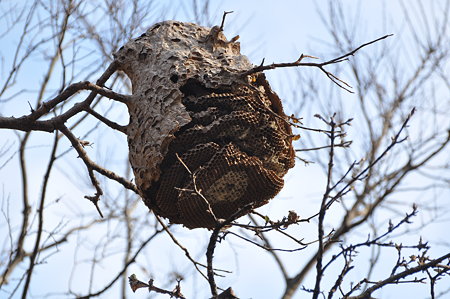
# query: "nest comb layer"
{"points": [[204, 140]]}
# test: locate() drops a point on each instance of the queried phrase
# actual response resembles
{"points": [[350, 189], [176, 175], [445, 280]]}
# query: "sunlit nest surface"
{"points": [[204, 139]]}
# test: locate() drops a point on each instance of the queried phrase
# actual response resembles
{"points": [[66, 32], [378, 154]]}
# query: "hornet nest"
{"points": [[206, 139]]}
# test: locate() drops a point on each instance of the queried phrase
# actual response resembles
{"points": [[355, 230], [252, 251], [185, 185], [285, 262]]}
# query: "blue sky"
{"points": [[277, 31]]}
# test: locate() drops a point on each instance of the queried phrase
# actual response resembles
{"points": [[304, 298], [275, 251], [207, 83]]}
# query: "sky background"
{"points": [[277, 32]]}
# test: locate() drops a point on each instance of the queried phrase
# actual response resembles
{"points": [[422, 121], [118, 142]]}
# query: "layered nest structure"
{"points": [[205, 139]]}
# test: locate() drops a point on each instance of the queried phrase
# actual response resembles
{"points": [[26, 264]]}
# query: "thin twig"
{"points": [[106, 121], [125, 267], [223, 19], [322, 212], [196, 190], [40, 212], [137, 284], [395, 278], [321, 65], [91, 166], [342, 144], [83, 155], [268, 248], [294, 282], [186, 252]]}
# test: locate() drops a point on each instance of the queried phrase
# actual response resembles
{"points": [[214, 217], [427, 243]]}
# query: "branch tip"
{"points": [[223, 19]]}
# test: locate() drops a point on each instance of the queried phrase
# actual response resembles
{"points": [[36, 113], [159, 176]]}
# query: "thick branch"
{"points": [[31, 123], [212, 246]]}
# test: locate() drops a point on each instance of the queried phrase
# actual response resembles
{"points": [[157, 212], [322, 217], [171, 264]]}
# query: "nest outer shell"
{"points": [[161, 64]]}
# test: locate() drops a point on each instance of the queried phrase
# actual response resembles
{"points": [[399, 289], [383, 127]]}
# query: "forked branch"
{"points": [[319, 65]]}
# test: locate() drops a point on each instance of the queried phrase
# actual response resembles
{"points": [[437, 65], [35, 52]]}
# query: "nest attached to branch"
{"points": [[205, 139]]}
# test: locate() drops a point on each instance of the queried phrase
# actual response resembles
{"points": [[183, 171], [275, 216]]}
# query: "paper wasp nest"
{"points": [[191, 99]]}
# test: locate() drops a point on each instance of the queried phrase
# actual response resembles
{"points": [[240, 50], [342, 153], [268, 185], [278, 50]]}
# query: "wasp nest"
{"points": [[204, 139]]}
